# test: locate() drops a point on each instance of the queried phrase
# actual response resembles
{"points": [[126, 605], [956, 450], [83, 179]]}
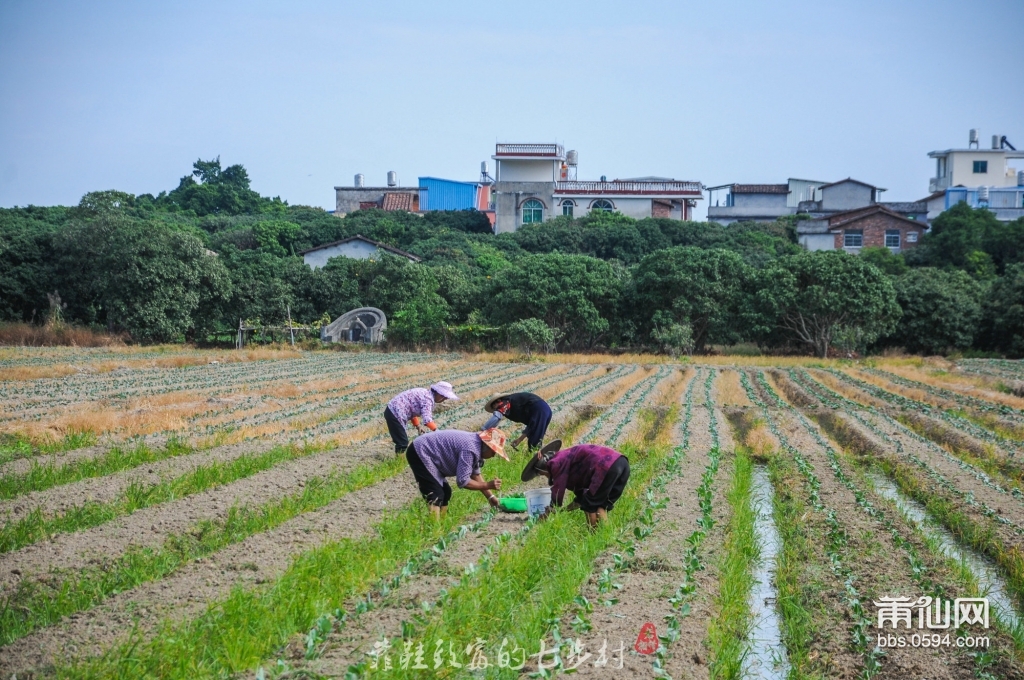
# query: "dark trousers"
{"points": [[611, 488], [433, 493], [537, 425], [396, 430]]}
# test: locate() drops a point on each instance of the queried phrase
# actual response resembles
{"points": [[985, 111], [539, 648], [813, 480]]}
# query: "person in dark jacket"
{"points": [[525, 408], [596, 475]]}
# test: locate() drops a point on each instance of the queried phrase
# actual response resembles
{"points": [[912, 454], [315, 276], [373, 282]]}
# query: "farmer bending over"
{"points": [[410, 406], [525, 408], [597, 475], [458, 454]]}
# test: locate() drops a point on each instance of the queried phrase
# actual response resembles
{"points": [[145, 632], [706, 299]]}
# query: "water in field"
{"points": [[766, 654], [984, 571]]}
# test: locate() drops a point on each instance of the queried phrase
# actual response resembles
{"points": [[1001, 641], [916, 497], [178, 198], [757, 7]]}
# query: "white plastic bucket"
{"points": [[537, 500]]}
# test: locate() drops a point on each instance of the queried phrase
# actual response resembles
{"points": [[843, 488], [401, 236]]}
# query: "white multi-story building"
{"points": [[983, 178], [535, 182], [975, 167]]}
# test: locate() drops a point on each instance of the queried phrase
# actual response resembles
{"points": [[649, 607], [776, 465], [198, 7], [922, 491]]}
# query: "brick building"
{"points": [[871, 227]]}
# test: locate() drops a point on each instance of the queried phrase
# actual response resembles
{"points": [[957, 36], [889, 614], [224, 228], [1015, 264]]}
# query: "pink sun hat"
{"points": [[445, 390]]}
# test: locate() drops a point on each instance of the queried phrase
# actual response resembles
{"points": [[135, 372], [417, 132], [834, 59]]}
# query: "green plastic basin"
{"points": [[513, 504]]}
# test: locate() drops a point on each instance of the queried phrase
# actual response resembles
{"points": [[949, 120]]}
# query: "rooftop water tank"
{"points": [[995, 141], [973, 138], [483, 167], [392, 178], [572, 158], [359, 180], [604, 178]]}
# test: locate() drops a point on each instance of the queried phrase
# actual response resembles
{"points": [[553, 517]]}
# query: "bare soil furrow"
{"points": [[150, 527], [350, 644], [871, 559], [258, 559], [110, 487], [1003, 504]]}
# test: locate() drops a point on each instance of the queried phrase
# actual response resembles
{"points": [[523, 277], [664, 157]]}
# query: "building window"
{"points": [[602, 204], [892, 238], [980, 167], [533, 211], [567, 207], [853, 238], [911, 237]]}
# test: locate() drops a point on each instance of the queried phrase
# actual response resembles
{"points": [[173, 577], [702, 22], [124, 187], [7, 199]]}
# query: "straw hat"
{"points": [[495, 440], [445, 390], [489, 406], [539, 463]]}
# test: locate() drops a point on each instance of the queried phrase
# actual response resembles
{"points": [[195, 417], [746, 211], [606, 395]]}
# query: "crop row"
{"points": [[980, 475], [213, 379], [91, 585], [837, 539]]}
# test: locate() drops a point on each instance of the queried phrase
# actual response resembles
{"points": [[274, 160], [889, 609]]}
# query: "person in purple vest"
{"points": [[596, 475], [412, 405], [454, 453]]}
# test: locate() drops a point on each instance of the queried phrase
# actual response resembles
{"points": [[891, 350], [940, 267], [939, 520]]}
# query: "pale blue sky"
{"points": [[126, 95]]}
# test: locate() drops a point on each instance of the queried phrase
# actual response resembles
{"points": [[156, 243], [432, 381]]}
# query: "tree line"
{"points": [[189, 263]]}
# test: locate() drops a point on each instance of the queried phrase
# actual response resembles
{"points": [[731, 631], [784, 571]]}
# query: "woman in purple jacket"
{"points": [[596, 475]]}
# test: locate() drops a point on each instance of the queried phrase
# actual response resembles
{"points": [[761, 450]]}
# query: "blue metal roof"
{"points": [[447, 194]]}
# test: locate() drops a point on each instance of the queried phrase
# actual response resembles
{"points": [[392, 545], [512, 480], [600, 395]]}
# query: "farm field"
{"points": [[172, 513]]}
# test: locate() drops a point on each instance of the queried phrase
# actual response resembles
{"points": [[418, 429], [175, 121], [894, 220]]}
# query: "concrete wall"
{"points": [[637, 208], [770, 201], [846, 196], [357, 250], [818, 241], [961, 163], [527, 170], [509, 196], [347, 199], [728, 215]]}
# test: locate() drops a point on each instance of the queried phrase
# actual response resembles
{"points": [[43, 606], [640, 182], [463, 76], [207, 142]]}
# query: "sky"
{"points": [[127, 95]]}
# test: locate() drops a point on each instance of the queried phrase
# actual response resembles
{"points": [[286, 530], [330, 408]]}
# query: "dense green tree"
{"points": [[277, 237], [886, 261], [211, 190], [530, 335], [145, 278], [27, 270], [814, 297], [574, 295], [1003, 313], [696, 287], [965, 238], [941, 310]]}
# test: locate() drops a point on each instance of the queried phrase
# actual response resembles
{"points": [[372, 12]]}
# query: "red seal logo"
{"points": [[647, 641]]}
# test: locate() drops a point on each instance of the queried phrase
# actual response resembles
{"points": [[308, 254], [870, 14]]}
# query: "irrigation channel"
{"points": [[766, 654], [990, 583]]}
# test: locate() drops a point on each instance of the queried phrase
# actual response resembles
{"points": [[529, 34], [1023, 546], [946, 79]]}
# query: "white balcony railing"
{"points": [[539, 150], [641, 188]]}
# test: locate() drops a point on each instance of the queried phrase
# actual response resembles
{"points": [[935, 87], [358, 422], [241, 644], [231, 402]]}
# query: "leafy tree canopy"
{"points": [[699, 288], [941, 310], [813, 297]]}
